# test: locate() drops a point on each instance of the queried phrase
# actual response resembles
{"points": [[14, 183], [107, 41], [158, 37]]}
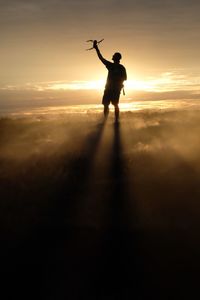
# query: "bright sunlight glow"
{"points": [[99, 85], [79, 85], [165, 82]]}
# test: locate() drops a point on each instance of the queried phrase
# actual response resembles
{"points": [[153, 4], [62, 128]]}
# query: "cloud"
{"points": [[158, 21], [53, 86], [166, 82], [16, 10], [143, 12]]}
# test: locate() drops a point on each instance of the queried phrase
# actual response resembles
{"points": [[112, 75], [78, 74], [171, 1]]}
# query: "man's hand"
{"points": [[95, 44]]}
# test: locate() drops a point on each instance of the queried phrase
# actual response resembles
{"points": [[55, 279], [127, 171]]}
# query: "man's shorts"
{"points": [[111, 96]]}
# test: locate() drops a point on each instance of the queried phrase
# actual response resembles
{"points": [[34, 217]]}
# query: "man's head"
{"points": [[116, 57]]}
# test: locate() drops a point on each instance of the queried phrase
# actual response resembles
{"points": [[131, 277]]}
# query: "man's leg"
{"points": [[106, 110], [116, 112]]}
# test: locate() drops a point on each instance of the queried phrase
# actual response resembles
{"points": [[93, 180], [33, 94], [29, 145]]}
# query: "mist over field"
{"points": [[88, 205]]}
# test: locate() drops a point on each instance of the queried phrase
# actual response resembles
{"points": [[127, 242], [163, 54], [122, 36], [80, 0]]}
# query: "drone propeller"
{"points": [[90, 49]]}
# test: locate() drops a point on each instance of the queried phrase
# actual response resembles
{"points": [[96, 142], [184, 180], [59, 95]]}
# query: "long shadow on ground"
{"points": [[121, 268]]}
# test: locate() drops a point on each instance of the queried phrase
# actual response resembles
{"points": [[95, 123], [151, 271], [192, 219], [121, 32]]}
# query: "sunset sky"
{"points": [[43, 44]]}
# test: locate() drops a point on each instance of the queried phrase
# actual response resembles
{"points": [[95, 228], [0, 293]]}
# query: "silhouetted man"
{"points": [[114, 83]]}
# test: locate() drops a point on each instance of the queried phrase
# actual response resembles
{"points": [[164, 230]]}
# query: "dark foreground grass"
{"points": [[97, 210]]}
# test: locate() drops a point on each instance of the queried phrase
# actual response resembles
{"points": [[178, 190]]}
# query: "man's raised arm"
{"points": [[104, 61]]}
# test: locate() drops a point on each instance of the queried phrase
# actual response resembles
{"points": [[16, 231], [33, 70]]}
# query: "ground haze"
{"points": [[97, 210]]}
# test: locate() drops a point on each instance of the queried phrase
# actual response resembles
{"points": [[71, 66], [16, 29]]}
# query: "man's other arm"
{"points": [[125, 74]]}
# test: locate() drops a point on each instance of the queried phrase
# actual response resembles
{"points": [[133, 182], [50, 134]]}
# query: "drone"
{"points": [[92, 41]]}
